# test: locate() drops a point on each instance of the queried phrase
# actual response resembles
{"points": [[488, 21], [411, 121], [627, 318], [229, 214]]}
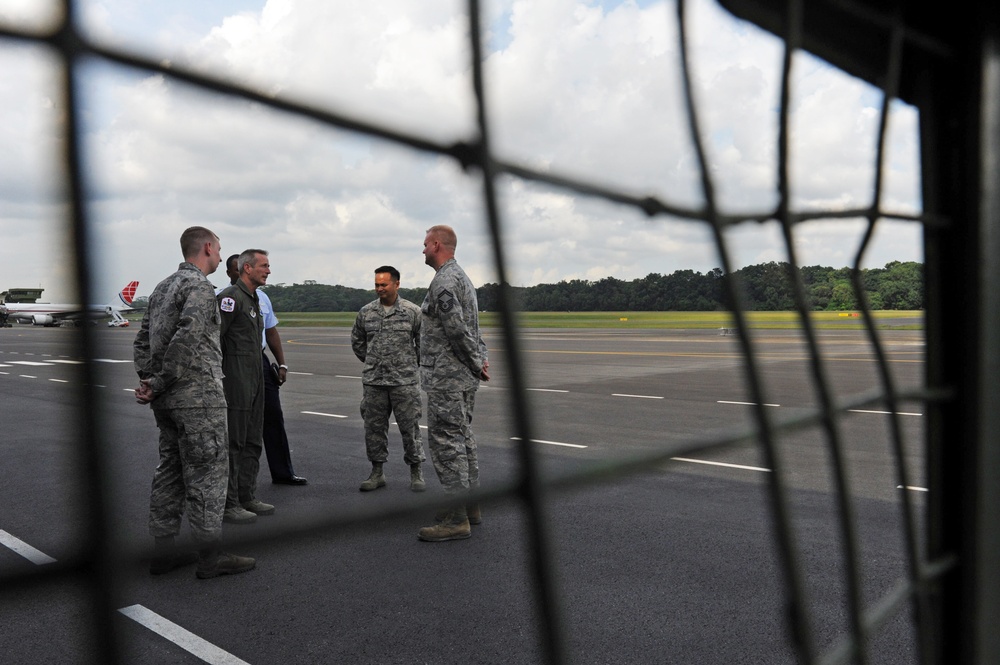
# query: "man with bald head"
{"points": [[453, 360]]}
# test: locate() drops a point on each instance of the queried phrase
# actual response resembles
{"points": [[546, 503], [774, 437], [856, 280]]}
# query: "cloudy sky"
{"points": [[587, 88]]}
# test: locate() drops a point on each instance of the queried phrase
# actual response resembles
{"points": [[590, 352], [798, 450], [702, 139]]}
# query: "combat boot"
{"points": [[166, 557], [213, 562], [454, 526], [238, 515], [375, 480], [417, 483], [258, 507], [472, 510]]}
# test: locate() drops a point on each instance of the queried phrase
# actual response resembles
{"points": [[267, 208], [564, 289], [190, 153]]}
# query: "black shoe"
{"points": [[291, 480]]}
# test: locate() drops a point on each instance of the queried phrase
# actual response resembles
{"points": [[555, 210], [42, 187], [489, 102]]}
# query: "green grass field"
{"points": [[897, 320]]}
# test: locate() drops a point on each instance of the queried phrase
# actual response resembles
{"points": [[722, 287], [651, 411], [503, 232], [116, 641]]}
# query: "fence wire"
{"points": [[927, 573]]}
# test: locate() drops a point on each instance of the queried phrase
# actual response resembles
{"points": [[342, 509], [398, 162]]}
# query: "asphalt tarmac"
{"points": [[675, 562]]}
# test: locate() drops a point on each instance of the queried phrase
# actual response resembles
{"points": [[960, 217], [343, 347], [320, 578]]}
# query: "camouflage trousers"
{"points": [[450, 439], [377, 403], [192, 473], [246, 441]]}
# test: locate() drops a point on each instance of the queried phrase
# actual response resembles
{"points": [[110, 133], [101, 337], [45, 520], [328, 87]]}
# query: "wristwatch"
{"points": [[282, 366]]}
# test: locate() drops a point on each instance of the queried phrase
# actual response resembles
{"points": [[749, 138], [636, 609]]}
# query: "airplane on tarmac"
{"points": [[48, 314]]}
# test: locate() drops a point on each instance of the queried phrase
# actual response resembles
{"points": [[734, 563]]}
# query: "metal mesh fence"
{"points": [[928, 566]]}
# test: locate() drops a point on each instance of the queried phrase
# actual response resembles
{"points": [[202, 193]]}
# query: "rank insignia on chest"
{"points": [[227, 305]]}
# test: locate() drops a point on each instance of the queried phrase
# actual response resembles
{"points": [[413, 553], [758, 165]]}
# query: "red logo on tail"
{"points": [[128, 293]]}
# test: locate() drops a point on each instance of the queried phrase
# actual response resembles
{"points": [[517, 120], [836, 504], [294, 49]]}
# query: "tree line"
{"points": [[764, 287]]}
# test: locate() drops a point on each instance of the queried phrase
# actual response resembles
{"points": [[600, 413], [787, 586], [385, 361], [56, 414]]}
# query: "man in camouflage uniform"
{"points": [[241, 332], [453, 359], [179, 363], [386, 338]]}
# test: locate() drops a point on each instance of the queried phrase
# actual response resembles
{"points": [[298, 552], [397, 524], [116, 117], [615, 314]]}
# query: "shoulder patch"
{"points": [[227, 304], [446, 300]]}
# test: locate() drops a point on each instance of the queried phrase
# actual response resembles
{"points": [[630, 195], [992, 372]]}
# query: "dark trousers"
{"points": [[279, 459]]}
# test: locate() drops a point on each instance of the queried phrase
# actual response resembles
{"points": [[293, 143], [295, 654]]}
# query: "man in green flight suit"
{"points": [[241, 332]]}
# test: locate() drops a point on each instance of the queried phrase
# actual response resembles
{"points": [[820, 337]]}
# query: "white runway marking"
{"points": [[302, 373], [27, 376], [722, 401], [328, 415], [551, 443], [59, 380], [912, 488], [344, 376], [728, 466], [885, 413], [29, 363], [18, 546], [182, 637], [68, 362], [547, 390], [637, 396], [109, 360]]}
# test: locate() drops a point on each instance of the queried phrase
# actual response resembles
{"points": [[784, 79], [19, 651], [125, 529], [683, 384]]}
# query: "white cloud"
{"points": [[587, 89]]}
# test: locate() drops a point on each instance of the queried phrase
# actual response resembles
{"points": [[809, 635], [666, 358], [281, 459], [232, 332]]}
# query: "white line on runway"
{"points": [[397, 424], [182, 637], [29, 363], [722, 401], [18, 546], [328, 415], [638, 396], [551, 443], [68, 362], [27, 376], [885, 413], [59, 380], [302, 373], [547, 390], [344, 376], [912, 488], [729, 466]]}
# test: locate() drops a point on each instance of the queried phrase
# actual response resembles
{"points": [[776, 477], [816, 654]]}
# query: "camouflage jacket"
{"points": [[388, 343], [452, 351], [177, 347], [241, 333]]}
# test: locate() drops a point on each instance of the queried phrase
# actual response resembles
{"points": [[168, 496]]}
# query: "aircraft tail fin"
{"points": [[127, 295]]}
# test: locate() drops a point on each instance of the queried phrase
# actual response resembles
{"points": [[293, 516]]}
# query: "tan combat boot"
{"points": [[417, 483], [375, 480], [212, 562], [454, 526], [258, 507]]}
